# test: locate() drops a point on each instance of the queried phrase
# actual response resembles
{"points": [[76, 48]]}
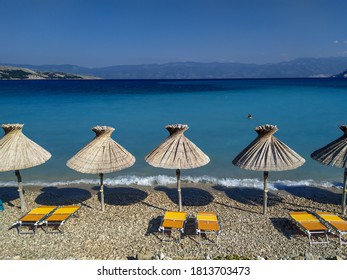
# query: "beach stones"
{"points": [[131, 231]]}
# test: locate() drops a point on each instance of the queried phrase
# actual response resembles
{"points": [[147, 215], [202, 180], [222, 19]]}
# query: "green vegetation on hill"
{"points": [[15, 73], [341, 75]]}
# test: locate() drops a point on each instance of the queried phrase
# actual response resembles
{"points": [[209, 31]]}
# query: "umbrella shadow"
{"points": [[62, 196], [122, 195], [319, 195], [284, 226], [190, 196], [249, 196], [8, 194], [153, 227]]}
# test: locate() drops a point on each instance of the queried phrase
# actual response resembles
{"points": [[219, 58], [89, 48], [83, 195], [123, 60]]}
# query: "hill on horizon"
{"points": [[297, 68], [20, 73]]}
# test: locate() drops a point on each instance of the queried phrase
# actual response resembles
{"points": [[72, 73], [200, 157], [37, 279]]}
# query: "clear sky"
{"points": [[96, 33]]}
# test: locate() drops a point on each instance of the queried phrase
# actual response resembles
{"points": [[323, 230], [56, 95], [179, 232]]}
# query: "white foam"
{"points": [[167, 180]]}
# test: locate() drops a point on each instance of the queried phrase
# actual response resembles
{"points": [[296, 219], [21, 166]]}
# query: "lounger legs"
{"points": [[309, 234], [178, 240], [59, 228], [200, 239], [32, 231], [341, 239]]}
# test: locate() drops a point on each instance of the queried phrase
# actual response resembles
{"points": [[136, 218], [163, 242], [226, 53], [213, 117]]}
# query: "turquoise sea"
{"points": [[59, 115]]}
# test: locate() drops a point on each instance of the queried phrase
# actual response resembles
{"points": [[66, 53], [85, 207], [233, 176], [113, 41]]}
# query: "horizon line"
{"points": [[172, 62]]}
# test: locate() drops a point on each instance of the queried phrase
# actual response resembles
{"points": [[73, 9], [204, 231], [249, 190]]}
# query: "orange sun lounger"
{"points": [[173, 221], [57, 218], [336, 223], [311, 225], [33, 218], [207, 223]]}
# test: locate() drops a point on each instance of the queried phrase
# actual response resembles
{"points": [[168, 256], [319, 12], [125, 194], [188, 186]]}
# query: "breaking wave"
{"points": [[167, 180]]}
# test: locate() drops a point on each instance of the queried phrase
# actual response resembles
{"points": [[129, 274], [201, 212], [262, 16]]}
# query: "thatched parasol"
{"points": [[267, 153], [101, 155], [335, 154], [18, 152], [177, 152]]}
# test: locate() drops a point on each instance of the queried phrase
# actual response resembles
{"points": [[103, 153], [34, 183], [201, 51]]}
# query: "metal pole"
{"points": [[266, 174], [102, 191], [344, 192], [20, 191], [178, 174]]}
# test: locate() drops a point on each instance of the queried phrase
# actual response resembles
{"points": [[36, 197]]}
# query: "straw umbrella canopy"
{"points": [[177, 152], [18, 152], [335, 154], [101, 155], [267, 153]]}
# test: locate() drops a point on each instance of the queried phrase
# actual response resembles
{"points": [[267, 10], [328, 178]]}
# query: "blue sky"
{"points": [[104, 33]]}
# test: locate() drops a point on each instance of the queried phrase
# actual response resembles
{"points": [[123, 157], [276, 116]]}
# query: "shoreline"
{"points": [[153, 180], [127, 229]]}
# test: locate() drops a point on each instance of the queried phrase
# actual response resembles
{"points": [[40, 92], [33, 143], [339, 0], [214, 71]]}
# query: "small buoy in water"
{"points": [[250, 116]]}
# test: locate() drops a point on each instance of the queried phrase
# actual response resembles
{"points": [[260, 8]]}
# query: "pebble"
{"points": [[128, 228]]}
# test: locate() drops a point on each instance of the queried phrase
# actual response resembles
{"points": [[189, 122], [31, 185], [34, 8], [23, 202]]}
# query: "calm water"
{"points": [[59, 115]]}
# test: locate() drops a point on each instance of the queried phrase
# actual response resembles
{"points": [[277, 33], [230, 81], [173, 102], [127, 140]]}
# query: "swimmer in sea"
{"points": [[250, 116]]}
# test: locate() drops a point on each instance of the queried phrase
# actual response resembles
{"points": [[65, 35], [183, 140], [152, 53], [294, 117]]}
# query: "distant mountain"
{"points": [[18, 73], [297, 68]]}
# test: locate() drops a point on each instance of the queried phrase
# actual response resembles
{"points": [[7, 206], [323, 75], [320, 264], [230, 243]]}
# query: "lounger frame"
{"points": [[58, 218], [173, 221], [207, 217], [310, 218], [340, 232], [33, 219]]}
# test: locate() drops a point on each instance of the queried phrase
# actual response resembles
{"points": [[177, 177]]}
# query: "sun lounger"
{"points": [[32, 219], [173, 221], [311, 225], [57, 218], [207, 223], [336, 223]]}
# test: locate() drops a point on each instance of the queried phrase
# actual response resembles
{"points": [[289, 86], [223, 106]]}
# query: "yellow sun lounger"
{"points": [[207, 223], [57, 218], [336, 223], [33, 218], [173, 221], [311, 225]]}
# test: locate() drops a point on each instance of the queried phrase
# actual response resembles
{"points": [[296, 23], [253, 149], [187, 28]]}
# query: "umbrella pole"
{"points": [[344, 192], [266, 174], [20, 191], [102, 191], [178, 175]]}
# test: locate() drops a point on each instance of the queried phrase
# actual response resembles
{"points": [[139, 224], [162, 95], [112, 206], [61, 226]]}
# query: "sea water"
{"points": [[59, 115]]}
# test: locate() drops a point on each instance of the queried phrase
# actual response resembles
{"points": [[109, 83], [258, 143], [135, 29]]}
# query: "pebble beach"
{"points": [[128, 228]]}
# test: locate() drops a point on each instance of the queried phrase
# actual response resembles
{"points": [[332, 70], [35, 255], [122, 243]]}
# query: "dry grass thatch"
{"points": [[101, 155], [177, 152], [334, 153], [17, 151], [267, 153]]}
